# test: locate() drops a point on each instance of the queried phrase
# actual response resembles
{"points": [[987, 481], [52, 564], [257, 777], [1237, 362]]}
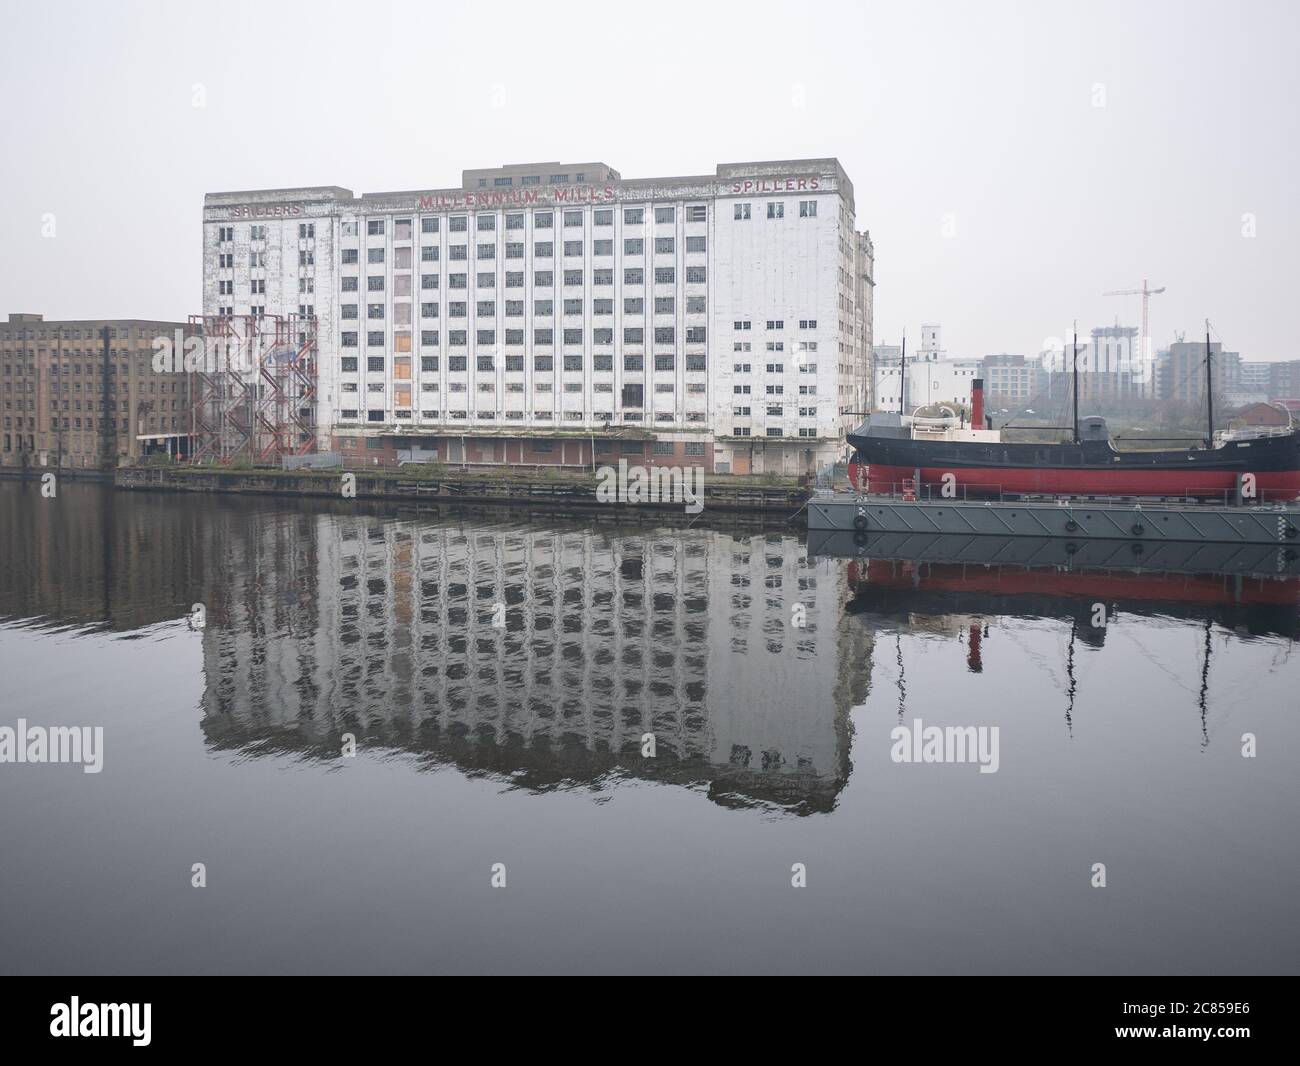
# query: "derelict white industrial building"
{"points": [[545, 313]]}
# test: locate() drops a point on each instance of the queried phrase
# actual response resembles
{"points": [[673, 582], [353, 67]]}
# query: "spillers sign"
{"points": [[266, 211], [761, 185]]}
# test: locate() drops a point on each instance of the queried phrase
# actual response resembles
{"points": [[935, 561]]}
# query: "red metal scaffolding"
{"points": [[253, 392]]}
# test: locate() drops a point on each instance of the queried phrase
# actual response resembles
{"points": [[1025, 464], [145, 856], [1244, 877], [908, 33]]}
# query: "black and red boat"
{"points": [[894, 453]]}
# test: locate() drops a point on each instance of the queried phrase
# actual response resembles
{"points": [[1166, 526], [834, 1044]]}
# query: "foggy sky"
{"points": [[977, 117]]}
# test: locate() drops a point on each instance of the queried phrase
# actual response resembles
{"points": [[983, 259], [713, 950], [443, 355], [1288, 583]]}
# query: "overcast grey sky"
{"points": [[978, 120]]}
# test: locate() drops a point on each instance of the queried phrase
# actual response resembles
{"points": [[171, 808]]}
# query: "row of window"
{"points": [[512, 337], [429, 282], [431, 253], [776, 368], [776, 346], [571, 306], [485, 387], [75, 369], [515, 363], [742, 212], [603, 446], [774, 409], [349, 414], [8, 335], [404, 228], [695, 275], [774, 323], [15, 442], [433, 415], [774, 390]]}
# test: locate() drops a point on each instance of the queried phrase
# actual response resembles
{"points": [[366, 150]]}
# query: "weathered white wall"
{"points": [[787, 269]]}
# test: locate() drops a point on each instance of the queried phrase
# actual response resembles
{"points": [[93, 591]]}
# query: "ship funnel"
{"points": [[974, 661], [977, 403]]}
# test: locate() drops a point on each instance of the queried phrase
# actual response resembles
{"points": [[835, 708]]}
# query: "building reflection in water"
{"points": [[539, 655], [93, 558]]}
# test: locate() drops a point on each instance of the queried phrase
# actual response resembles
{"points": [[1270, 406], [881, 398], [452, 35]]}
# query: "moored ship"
{"points": [[946, 457]]}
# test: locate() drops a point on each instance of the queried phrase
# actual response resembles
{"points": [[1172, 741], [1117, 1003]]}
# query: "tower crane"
{"points": [[1146, 293]]}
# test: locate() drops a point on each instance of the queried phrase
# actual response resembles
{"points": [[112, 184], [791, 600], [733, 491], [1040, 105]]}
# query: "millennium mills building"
{"points": [[552, 314]]}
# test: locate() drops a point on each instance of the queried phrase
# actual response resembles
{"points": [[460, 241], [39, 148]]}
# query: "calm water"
{"points": [[498, 676]]}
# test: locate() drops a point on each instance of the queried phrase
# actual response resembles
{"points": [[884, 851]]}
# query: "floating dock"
{"points": [[1072, 519], [1170, 556]]}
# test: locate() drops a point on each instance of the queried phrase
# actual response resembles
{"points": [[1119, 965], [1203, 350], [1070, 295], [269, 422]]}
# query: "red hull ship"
{"points": [[1269, 465], [929, 458]]}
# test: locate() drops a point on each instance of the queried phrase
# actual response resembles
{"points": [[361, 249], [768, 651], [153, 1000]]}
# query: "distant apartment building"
{"points": [[1253, 376], [1182, 374], [1112, 369], [558, 314], [1284, 380], [1241, 386], [71, 400], [1113, 374], [1013, 379], [1250, 382], [1112, 350]]}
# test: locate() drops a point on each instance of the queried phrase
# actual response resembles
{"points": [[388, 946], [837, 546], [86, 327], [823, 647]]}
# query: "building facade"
{"points": [[1013, 380], [1182, 374], [1112, 369], [932, 378], [70, 401], [535, 313], [1253, 376], [1284, 380]]}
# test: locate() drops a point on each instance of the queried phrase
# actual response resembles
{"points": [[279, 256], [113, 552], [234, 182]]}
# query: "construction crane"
{"points": [[1146, 293]]}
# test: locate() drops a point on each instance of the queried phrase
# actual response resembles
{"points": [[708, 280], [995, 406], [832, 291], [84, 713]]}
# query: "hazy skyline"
{"points": [[1011, 161]]}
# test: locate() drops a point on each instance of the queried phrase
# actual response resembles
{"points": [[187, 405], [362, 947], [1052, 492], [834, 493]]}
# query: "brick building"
{"points": [[69, 401]]}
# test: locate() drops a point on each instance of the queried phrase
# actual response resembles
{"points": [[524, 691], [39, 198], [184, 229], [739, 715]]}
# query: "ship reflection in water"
{"points": [[963, 586], [1250, 588]]}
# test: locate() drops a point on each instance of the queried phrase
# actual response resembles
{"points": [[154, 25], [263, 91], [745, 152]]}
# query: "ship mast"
{"points": [[1209, 389], [902, 377], [1076, 381]]}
